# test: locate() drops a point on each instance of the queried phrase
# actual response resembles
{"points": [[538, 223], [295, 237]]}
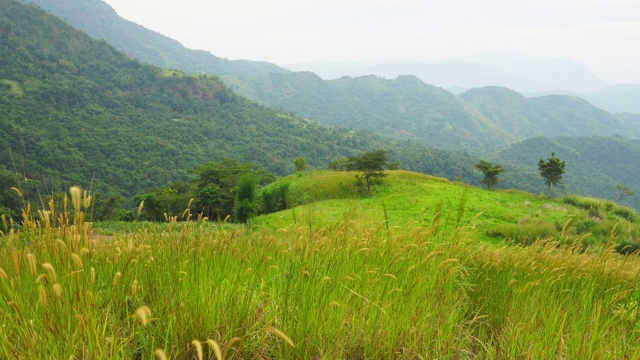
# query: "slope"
{"points": [[328, 199], [404, 108], [595, 165], [99, 20], [551, 115], [73, 108]]}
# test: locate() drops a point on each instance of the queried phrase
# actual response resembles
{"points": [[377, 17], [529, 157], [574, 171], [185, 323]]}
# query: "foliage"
{"points": [[490, 172], [371, 164], [551, 171], [299, 164], [246, 205], [274, 197], [598, 164]]}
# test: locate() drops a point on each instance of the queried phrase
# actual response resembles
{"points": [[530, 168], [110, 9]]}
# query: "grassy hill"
{"points": [[355, 286], [99, 20], [326, 199]]}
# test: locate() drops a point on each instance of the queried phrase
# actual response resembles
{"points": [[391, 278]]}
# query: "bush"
{"points": [[274, 198]]}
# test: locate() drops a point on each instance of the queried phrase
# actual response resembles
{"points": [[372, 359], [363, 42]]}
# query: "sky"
{"points": [[603, 34]]}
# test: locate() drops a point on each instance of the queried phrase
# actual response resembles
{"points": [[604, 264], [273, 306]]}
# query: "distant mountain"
{"points": [[617, 99], [595, 165], [476, 121], [551, 115], [506, 69], [403, 108], [101, 21]]}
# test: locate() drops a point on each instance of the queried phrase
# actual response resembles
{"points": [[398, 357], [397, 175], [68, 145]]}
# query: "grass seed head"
{"points": [[43, 296], [51, 271], [272, 330], [57, 289], [142, 313], [216, 349], [198, 345], [3, 274], [160, 354], [31, 259]]}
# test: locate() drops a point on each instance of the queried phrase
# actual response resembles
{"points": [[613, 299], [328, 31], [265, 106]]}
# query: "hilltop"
{"points": [[326, 199]]}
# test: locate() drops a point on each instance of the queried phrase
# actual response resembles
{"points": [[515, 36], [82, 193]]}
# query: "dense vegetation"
{"points": [[595, 165], [345, 278], [475, 121], [99, 20]]}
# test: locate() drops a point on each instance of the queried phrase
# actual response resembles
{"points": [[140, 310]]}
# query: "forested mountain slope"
{"points": [[594, 165], [404, 108], [551, 115], [99, 20], [75, 110]]}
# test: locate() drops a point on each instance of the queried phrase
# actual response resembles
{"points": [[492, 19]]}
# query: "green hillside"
{"points": [[403, 108], [75, 109], [99, 20], [327, 199], [595, 165], [551, 115]]}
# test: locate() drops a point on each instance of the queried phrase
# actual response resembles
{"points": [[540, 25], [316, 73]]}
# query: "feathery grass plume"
{"points": [[229, 346], [160, 354], [134, 287], [31, 259], [278, 333], [57, 289], [86, 200], [216, 348], [142, 313], [3, 274], [76, 197], [140, 207], [116, 278], [198, 345], [51, 271], [77, 260], [93, 275], [17, 192], [43, 296]]}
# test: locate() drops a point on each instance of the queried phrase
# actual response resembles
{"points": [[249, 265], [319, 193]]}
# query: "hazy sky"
{"points": [[603, 34]]}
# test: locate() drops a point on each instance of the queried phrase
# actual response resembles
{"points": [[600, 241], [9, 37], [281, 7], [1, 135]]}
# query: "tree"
{"points": [[371, 164], [299, 164], [490, 173], [623, 192], [246, 204], [551, 171]]}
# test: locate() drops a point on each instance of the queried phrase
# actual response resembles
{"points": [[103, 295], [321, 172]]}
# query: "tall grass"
{"points": [[187, 290]]}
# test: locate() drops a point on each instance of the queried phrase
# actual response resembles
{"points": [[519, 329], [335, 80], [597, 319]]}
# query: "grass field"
{"points": [[346, 277]]}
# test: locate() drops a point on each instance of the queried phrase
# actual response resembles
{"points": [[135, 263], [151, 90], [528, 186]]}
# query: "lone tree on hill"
{"points": [[490, 173], [552, 171], [371, 164]]}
